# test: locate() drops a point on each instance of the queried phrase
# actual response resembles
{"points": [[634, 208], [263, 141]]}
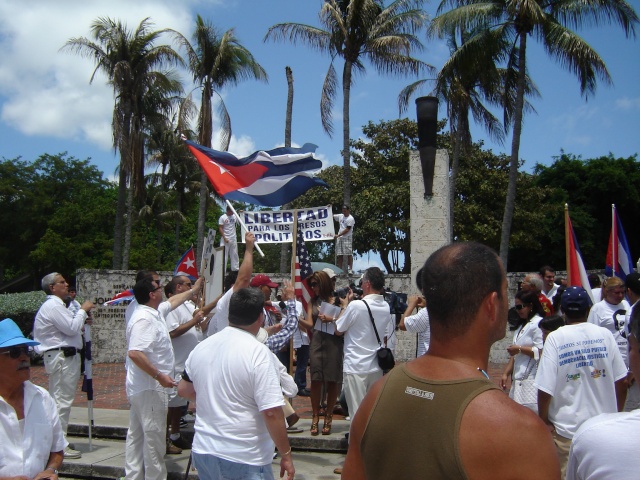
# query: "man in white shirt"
{"points": [[227, 228], [149, 374], [581, 373], [549, 287], [32, 437], [361, 369], [182, 323], [60, 336], [239, 398], [344, 237], [418, 323], [606, 446]]}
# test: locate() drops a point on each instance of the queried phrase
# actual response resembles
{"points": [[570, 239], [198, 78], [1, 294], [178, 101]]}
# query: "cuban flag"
{"points": [[187, 265], [618, 251], [576, 271], [118, 298], [269, 178], [303, 271]]}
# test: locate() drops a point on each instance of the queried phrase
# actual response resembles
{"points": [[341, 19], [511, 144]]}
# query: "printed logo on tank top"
{"points": [[416, 392]]}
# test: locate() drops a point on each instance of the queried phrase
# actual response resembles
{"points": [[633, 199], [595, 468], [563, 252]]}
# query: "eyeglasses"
{"points": [[187, 284], [521, 306], [313, 284], [15, 352]]}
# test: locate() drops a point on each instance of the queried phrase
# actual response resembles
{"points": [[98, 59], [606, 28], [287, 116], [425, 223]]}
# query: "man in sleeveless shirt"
{"points": [[439, 416]]}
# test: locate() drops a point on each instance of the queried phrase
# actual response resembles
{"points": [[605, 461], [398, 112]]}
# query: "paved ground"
{"points": [[314, 457], [108, 387]]}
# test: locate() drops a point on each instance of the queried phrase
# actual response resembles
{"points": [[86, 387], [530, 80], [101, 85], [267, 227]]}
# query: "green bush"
{"points": [[21, 308]]}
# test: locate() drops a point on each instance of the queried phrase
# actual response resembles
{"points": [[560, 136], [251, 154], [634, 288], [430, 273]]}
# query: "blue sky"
{"points": [[48, 106]]}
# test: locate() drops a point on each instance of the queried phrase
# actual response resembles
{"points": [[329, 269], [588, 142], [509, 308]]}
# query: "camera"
{"points": [[357, 291], [342, 292]]}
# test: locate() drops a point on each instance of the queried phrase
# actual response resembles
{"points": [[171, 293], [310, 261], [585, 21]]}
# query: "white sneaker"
{"points": [[189, 418], [71, 453]]}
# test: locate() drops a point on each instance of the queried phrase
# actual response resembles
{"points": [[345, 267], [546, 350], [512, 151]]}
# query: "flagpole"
{"points": [[614, 241], [566, 242], [256, 246], [294, 245]]}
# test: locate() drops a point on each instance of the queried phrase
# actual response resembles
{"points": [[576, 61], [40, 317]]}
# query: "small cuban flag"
{"points": [[187, 265]]}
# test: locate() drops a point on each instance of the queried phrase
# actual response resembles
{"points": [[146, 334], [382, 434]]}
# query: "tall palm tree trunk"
{"points": [[346, 152], [202, 214], [120, 212], [455, 165], [128, 227], [285, 247], [510, 202]]}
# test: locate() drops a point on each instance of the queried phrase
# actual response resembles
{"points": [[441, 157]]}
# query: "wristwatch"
{"points": [[53, 470]]}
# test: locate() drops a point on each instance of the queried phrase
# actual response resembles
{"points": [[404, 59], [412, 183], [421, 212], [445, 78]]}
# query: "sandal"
{"points": [[314, 425], [326, 426]]}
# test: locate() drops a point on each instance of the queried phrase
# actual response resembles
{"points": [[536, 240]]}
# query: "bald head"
{"points": [[456, 279]]}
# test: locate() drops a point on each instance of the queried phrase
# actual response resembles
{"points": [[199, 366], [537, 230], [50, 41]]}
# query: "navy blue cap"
{"points": [[575, 300]]}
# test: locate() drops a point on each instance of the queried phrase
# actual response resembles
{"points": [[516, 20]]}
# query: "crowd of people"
{"points": [[569, 378]]}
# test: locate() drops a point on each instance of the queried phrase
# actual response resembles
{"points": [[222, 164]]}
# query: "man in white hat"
{"points": [[32, 437]]}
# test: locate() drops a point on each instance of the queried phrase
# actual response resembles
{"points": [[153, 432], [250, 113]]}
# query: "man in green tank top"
{"points": [[439, 416]]}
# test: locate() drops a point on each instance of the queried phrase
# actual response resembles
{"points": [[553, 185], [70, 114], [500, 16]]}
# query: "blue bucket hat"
{"points": [[10, 335]]}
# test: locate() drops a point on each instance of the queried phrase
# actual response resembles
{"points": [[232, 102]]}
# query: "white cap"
{"points": [[329, 272]]}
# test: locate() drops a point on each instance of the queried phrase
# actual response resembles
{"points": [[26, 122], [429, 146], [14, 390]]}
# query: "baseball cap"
{"points": [[10, 335], [575, 300], [329, 272], [262, 279]]}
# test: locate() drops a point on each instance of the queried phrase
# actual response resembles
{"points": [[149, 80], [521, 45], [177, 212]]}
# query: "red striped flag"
{"points": [[576, 271], [303, 271]]}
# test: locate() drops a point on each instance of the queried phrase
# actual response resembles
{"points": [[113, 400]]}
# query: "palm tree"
{"points": [[129, 60], [466, 81], [355, 30], [285, 264], [550, 22], [215, 61]]}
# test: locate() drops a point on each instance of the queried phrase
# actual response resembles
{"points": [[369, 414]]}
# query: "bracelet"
{"points": [[519, 349], [55, 472], [155, 377], [287, 452]]}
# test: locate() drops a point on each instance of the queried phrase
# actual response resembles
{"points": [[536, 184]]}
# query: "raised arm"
{"points": [[246, 268]]}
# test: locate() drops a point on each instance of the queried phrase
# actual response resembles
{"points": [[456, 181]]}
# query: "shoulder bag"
{"points": [[384, 354]]}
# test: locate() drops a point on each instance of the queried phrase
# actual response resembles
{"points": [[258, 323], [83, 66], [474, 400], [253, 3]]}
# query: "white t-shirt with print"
{"points": [[579, 365], [613, 318], [228, 223]]}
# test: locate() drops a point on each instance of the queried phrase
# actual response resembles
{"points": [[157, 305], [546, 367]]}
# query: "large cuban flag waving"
{"points": [[269, 178]]}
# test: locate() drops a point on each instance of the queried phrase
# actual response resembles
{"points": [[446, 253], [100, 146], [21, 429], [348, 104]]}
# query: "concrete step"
{"points": [[113, 424], [105, 460]]}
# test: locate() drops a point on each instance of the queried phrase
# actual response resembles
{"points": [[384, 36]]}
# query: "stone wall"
{"points": [[108, 336]]}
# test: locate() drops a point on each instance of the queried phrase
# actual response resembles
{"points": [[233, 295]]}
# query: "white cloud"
{"points": [[46, 91], [626, 103]]}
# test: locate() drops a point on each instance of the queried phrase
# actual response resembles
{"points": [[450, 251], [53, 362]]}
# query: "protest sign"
{"points": [[316, 224]]}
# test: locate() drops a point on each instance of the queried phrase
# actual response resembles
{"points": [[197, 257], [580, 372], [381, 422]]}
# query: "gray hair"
{"points": [[47, 281], [535, 280]]}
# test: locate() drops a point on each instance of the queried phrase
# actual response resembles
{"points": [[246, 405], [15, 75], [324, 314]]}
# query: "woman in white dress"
{"points": [[526, 347]]}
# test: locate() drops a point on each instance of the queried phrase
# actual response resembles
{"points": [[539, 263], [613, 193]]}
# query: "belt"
{"points": [[75, 350]]}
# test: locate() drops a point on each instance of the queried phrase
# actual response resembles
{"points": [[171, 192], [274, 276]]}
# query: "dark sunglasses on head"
{"points": [[521, 306], [15, 352]]}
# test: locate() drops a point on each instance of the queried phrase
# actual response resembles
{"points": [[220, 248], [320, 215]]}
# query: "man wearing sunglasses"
{"points": [[32, 437], [59, 334]]}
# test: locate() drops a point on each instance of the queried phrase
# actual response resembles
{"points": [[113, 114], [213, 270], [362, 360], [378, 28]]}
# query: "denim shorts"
{"points": [[211, 467]]}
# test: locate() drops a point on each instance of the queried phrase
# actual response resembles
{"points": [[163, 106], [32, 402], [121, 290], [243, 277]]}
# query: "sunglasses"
{"points": [[313, 284], [521, 306], [15, 352]]}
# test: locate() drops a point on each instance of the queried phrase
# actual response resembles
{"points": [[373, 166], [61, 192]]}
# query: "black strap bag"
{"points": [[384, 354]]}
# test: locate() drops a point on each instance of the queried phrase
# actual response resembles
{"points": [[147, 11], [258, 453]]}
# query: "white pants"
{"points": [[146, 438], [63, 379], [356, 387], [231, 250]]}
